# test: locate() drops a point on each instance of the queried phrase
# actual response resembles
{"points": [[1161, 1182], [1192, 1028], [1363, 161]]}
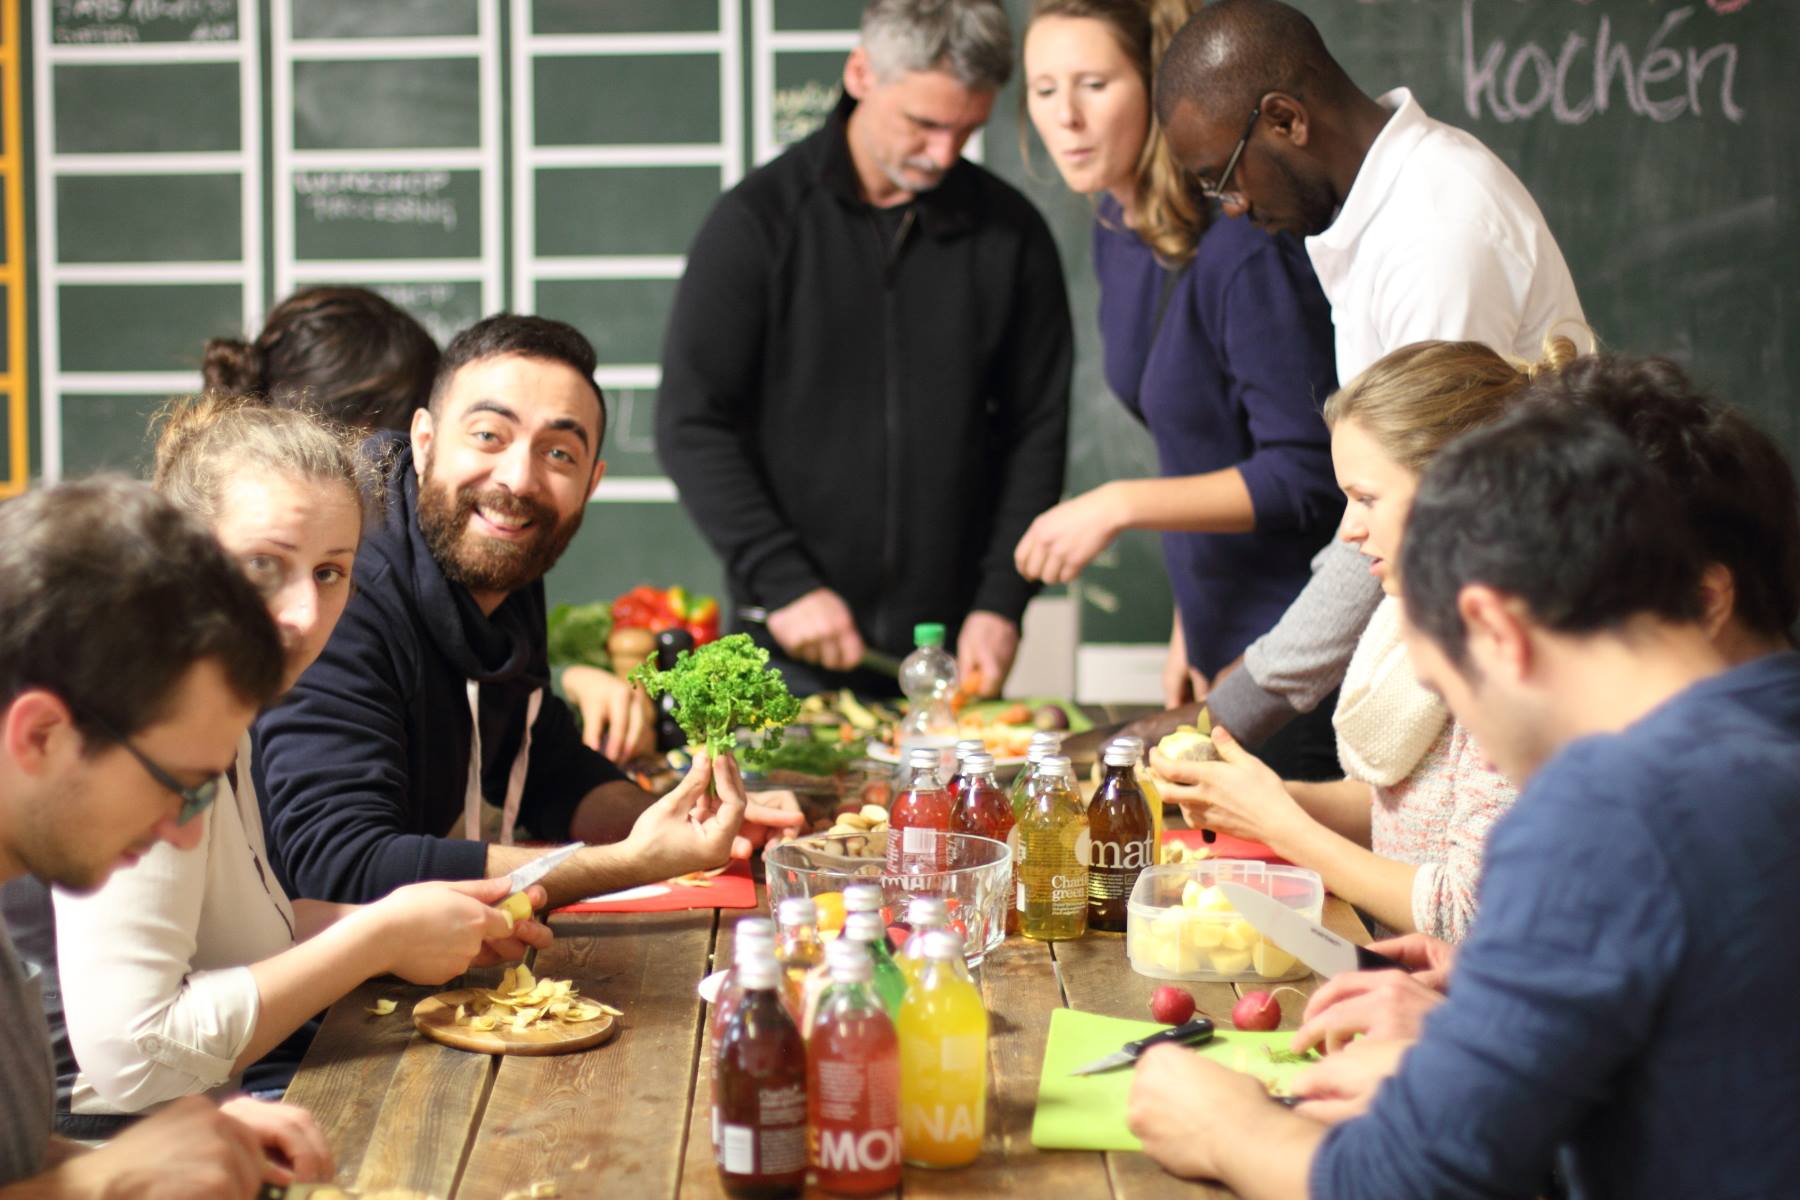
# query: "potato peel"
{"points": [[524, 1002], [381, 1008]]}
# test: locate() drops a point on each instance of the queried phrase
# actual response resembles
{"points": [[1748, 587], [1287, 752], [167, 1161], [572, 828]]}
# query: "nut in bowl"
{"points": [[1180, 926], [976, 886]]}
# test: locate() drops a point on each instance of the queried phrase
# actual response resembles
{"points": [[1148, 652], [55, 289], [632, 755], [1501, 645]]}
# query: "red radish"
{"points": [[1256, 1012], [1171, 1005]]}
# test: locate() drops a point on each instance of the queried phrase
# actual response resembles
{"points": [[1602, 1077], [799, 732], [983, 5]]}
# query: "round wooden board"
{"points": [[435, 1017]]}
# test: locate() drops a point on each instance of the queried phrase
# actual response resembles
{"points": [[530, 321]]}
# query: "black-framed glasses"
{"points": [[194, 800], [1217, 191]]}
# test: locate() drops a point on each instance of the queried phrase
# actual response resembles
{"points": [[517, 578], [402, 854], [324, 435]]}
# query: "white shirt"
{"points": [[157, 992], [1438, 239]]}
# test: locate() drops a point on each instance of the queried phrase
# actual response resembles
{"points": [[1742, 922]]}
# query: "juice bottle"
{"points": [[1146, 781], [755, 936], [964, 748], [867, 898], [1043, 744], [1053, 854], [920, 814], [923, 915], [983, 809], [1119, 833], [798, 949], [761, 1069], [943, 1061], [853, 1083], [866, 931]]}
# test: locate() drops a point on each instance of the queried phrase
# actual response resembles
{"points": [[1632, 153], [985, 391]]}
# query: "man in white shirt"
{"points": [[1417, 231], [111, 741]]}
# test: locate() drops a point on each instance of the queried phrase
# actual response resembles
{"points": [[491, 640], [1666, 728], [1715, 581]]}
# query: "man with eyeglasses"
{"points": [[1416, 230], [111, 741]]}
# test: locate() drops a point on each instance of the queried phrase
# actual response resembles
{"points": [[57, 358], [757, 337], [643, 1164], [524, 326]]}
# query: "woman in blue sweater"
{"points": [[1216, 336]]}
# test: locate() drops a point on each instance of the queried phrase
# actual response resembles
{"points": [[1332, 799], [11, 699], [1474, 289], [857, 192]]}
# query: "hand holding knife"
{"points": [[518, 905]]}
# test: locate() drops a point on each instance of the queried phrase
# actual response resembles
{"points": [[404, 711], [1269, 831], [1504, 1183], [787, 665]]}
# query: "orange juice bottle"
{"points": [[943, 1060], [1146, 781]]}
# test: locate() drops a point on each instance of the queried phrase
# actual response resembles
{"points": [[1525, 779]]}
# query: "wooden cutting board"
{"points": [[435, 1017]]}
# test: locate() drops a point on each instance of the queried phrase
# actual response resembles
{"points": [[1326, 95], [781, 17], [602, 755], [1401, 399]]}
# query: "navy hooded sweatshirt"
{"points": [[362, 770]]}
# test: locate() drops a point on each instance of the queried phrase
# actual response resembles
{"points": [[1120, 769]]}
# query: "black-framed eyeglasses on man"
{"points": [[194, 800], [1219, 190]]}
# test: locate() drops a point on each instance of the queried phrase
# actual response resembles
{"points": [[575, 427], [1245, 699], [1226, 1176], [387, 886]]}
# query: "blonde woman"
{"points": [[1216, 337], [188, 967], [1401, 836]]}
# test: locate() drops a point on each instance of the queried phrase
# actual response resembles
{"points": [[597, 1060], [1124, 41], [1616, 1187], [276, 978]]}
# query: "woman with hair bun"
{"points": [[1215, 335], [189, 967], [1402, 836], [345, 353]]}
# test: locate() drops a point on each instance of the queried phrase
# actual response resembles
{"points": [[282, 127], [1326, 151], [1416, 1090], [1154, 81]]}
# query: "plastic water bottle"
{"points": [[928, 678]]}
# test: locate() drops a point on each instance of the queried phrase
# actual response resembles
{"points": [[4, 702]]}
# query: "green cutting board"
{"points": [[1087, 1112]]}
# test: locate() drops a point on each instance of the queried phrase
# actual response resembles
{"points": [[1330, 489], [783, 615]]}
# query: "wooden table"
{"points": [[630, 1119]]}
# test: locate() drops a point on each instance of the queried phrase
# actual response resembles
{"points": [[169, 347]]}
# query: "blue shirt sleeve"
{"points": [[1275, 340], [1581, 929]]}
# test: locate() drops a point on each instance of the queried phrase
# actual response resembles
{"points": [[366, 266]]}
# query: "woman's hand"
{"points": [[432, 932], [1066, 538], [617, 718], [1239, 795], [292, 1141]]}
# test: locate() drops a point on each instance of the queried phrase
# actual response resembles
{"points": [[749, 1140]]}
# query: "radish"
{"points": [[1256, 1012], [1171, 1005]]}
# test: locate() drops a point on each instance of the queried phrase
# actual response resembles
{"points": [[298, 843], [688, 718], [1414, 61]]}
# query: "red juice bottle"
{"points": [[921, 812], [964, 748], [983, 809], [755, 937], [761, 1073], [853, 1082]]}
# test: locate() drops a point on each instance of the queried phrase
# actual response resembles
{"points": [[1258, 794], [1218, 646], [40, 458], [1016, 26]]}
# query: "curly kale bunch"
{"points": [[720, 688]]}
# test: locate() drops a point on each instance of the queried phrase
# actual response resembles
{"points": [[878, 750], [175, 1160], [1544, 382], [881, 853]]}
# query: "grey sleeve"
{"points": [[1289, 669]]}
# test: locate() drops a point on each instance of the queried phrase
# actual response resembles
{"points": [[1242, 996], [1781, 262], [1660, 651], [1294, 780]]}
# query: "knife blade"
{"points": [[1193, 1033], [1324, 951], [524, 876]]}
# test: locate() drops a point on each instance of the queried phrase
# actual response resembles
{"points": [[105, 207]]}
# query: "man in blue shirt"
{"points": [[1639, 901]]}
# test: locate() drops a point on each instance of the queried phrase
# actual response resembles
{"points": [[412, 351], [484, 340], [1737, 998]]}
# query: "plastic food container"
{"points": [[977, 889], [1179, 926]]}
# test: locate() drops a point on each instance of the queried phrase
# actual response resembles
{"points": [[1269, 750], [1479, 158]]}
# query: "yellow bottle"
{"points": [[1146, 781], [943, 1061], [1053, 857]]}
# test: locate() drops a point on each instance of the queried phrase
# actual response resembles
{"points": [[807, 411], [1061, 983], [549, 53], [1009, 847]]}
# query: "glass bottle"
{"points": [[867, 898], [1053, 856], [853, 1082], [866, 930], [761, 1069], [928, 680], [1146, 781], [964, 748], [943, 1060], [1119, 833], [920, 814], [923, 915], [1043, 744], [799, 949]]}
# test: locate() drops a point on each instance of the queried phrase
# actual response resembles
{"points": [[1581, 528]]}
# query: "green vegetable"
{"points": [[720, 688], [578, 634], [1288, 1056], [812, 756]]}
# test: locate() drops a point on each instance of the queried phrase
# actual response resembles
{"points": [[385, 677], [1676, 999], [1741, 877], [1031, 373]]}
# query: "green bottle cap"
{"points": [[928, 633]]}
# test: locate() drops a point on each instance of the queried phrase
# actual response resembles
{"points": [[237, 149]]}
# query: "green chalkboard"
{"points": [[107, 433], [387, 214], [389, 18], [624, 16], [609, 100], [389, 104], [442, 306], [630, 449], [116, 23], [149, 218], [122, 108], [622, 544], [815, 15], [143, 327], [624, 318], [622, 210], [807, 85]]}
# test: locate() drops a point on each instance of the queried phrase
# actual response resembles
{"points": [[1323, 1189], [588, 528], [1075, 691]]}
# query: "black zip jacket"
{"points": [[875, 406]]}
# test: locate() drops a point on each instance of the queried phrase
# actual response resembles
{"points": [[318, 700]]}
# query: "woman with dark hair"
{"points": [[342, 352], [1216, 337]]}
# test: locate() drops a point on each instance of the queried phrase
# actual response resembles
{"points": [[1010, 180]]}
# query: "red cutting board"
{"points": [[1224, 846], [734, 888]]}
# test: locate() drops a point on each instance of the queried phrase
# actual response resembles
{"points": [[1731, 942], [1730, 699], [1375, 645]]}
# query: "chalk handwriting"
{"points": [[1582, 79], [802, 109], [387, 197]]}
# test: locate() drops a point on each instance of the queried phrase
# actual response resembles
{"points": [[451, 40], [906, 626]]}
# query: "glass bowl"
{"points": [[977, 888]]}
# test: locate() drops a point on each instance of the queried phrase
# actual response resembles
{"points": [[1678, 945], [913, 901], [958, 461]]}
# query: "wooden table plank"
{"points": [[609, 1121], [397, 1110]]}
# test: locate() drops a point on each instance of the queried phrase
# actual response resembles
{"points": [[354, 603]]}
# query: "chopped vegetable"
{"points": [[720, 688], [382, 1008], [1289, 1056], [578, 634]]}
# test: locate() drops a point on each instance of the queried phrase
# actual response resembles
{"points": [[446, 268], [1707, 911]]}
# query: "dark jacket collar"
{"points": [[947, 210], [489, 649]]}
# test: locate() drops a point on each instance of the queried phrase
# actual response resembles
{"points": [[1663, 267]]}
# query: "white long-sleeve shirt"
{"points": [[157, 995]]}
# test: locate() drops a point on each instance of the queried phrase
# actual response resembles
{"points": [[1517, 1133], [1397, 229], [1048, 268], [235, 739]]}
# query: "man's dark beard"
{"points": [[485, 564], [1312, 200]]}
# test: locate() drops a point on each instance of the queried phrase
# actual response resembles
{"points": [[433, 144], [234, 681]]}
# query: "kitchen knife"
{"points": [[523, 877], [872, 659], [1307, 940], [1192, 1034], [306, 1191]]}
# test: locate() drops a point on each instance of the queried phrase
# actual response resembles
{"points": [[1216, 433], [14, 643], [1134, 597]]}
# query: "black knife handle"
{"points": [[1197, 1030], [1371, 960]]}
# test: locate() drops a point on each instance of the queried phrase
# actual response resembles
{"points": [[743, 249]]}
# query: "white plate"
{"points": [[709, 987]]}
